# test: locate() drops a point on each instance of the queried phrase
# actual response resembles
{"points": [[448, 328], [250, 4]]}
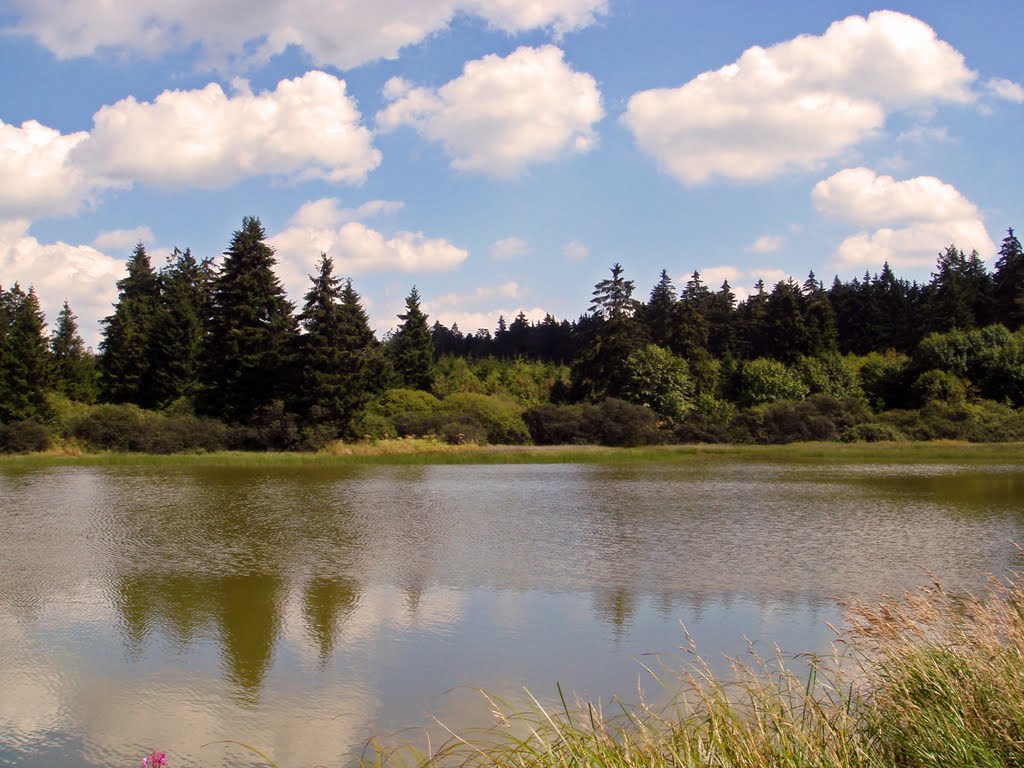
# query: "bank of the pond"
{"points": [[412, 451], [934, 679]]}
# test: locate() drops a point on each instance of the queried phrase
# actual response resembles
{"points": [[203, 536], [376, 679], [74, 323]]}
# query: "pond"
{"points": [[303, 610]]}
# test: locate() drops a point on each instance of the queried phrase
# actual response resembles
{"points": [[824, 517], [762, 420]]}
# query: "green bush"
{"points": [[394, 401], [941, 387], [617, 423], [551, 424], [129, 428], [885, 379], [816, 419], [24, 437], [660, 380], [872, 432], [768, 381], [829, 375], [500, 418], [371, 425]]}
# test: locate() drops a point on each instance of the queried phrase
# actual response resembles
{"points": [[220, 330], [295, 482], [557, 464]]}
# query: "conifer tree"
{"points": [[74, 373], [660, 315], [599, 369], [180, 327], [1009, 283], [24, 372], [412, 351], [327, 372], [126, 351], [721, 314], [247, 356]]}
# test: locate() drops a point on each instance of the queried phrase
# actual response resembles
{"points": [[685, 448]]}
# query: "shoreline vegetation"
{"points": [[428, 451], [932, 678]]}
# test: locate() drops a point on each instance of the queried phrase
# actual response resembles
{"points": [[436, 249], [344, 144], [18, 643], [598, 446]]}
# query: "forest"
{"points": [[203, 357]]}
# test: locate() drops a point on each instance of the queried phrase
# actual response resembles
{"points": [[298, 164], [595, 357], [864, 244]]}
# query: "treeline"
{"points": [[198, 356]]}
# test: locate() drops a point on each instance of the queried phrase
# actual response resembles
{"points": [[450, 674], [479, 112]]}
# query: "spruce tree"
{"points": [[24, 373], [74, 373], [326, 370], [247, 355], [1009, 283], [180, 327], [612, 333], [126, 351], [660, 316], [412, 350]]}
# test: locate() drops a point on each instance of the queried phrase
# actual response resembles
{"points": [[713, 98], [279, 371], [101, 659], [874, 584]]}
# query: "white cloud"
{"points": [[306, 128], [860, 196], [509, 248], [123, 239], [767, 244], [575, 251], [322, 226], [799, 103], [502, 114], [37, 174], [914, 218], [341, 33], [81, 274], [1005, 89]]}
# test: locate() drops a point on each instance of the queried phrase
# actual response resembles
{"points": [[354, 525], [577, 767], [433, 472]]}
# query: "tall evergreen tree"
{"points": [[959, 294], [753, 339], [660, 315], [126, 351], [412, 351], [74, 373], [334, 350], [180, 327], [24, 372], [721, 310], [1009, 283], [599, 369], [246, 360], [787, 329]]}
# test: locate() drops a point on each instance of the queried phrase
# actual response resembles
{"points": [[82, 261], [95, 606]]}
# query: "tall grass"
{"points": [[930, 679]]}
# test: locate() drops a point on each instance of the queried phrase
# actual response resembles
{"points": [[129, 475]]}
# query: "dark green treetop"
{"points": [[412, 349]]}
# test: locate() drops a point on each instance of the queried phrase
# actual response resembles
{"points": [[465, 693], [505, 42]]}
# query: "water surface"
{"points": [[303, 610]]}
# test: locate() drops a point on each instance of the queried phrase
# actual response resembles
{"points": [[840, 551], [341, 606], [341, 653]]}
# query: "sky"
{"points": [[501, 155]]}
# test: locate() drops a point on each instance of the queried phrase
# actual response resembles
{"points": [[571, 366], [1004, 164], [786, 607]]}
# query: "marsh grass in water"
{"points": [[931, 679]]}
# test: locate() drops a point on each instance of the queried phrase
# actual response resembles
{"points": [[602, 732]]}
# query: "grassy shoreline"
{"points": [[426, 452]]}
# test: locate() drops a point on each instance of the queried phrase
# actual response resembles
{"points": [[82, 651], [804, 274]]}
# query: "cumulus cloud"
{"points": [[82, 274], [799, 103], [323, 226], [767, 244], [341, 33], [122, 239], [1005, 89], [308, 127], [509, 248], [575, 251], [37, 173], [913, 218], [502, 114]]}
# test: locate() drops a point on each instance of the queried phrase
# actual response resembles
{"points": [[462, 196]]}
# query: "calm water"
{"points": [[304, 610]]}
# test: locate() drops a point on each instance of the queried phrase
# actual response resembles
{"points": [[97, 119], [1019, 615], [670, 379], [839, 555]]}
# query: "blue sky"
{"points": [[501, 154]]}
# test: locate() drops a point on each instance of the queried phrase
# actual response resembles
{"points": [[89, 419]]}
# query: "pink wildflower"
{"points": [[155, 760]]}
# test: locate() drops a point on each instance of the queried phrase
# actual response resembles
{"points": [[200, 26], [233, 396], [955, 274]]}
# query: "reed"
{"points": [[928, 679]]}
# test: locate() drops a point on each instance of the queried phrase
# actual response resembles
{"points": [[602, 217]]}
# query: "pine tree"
{"points": [[1009, 283], [74, 373], [721, 314], [180, 327], [247, 358], [412, 351], [788, 333], [24, 372], [126, 351]]}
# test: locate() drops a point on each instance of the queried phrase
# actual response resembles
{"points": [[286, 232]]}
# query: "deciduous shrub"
{"points": [[24, 437], [769, 381], [129, 428]]}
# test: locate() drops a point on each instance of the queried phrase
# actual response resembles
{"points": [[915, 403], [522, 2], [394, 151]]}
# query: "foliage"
{"points": [[829, 374], [24, 437], [24, 356], [130, 428], [660, 380], [767, 381], [73, 369]]}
